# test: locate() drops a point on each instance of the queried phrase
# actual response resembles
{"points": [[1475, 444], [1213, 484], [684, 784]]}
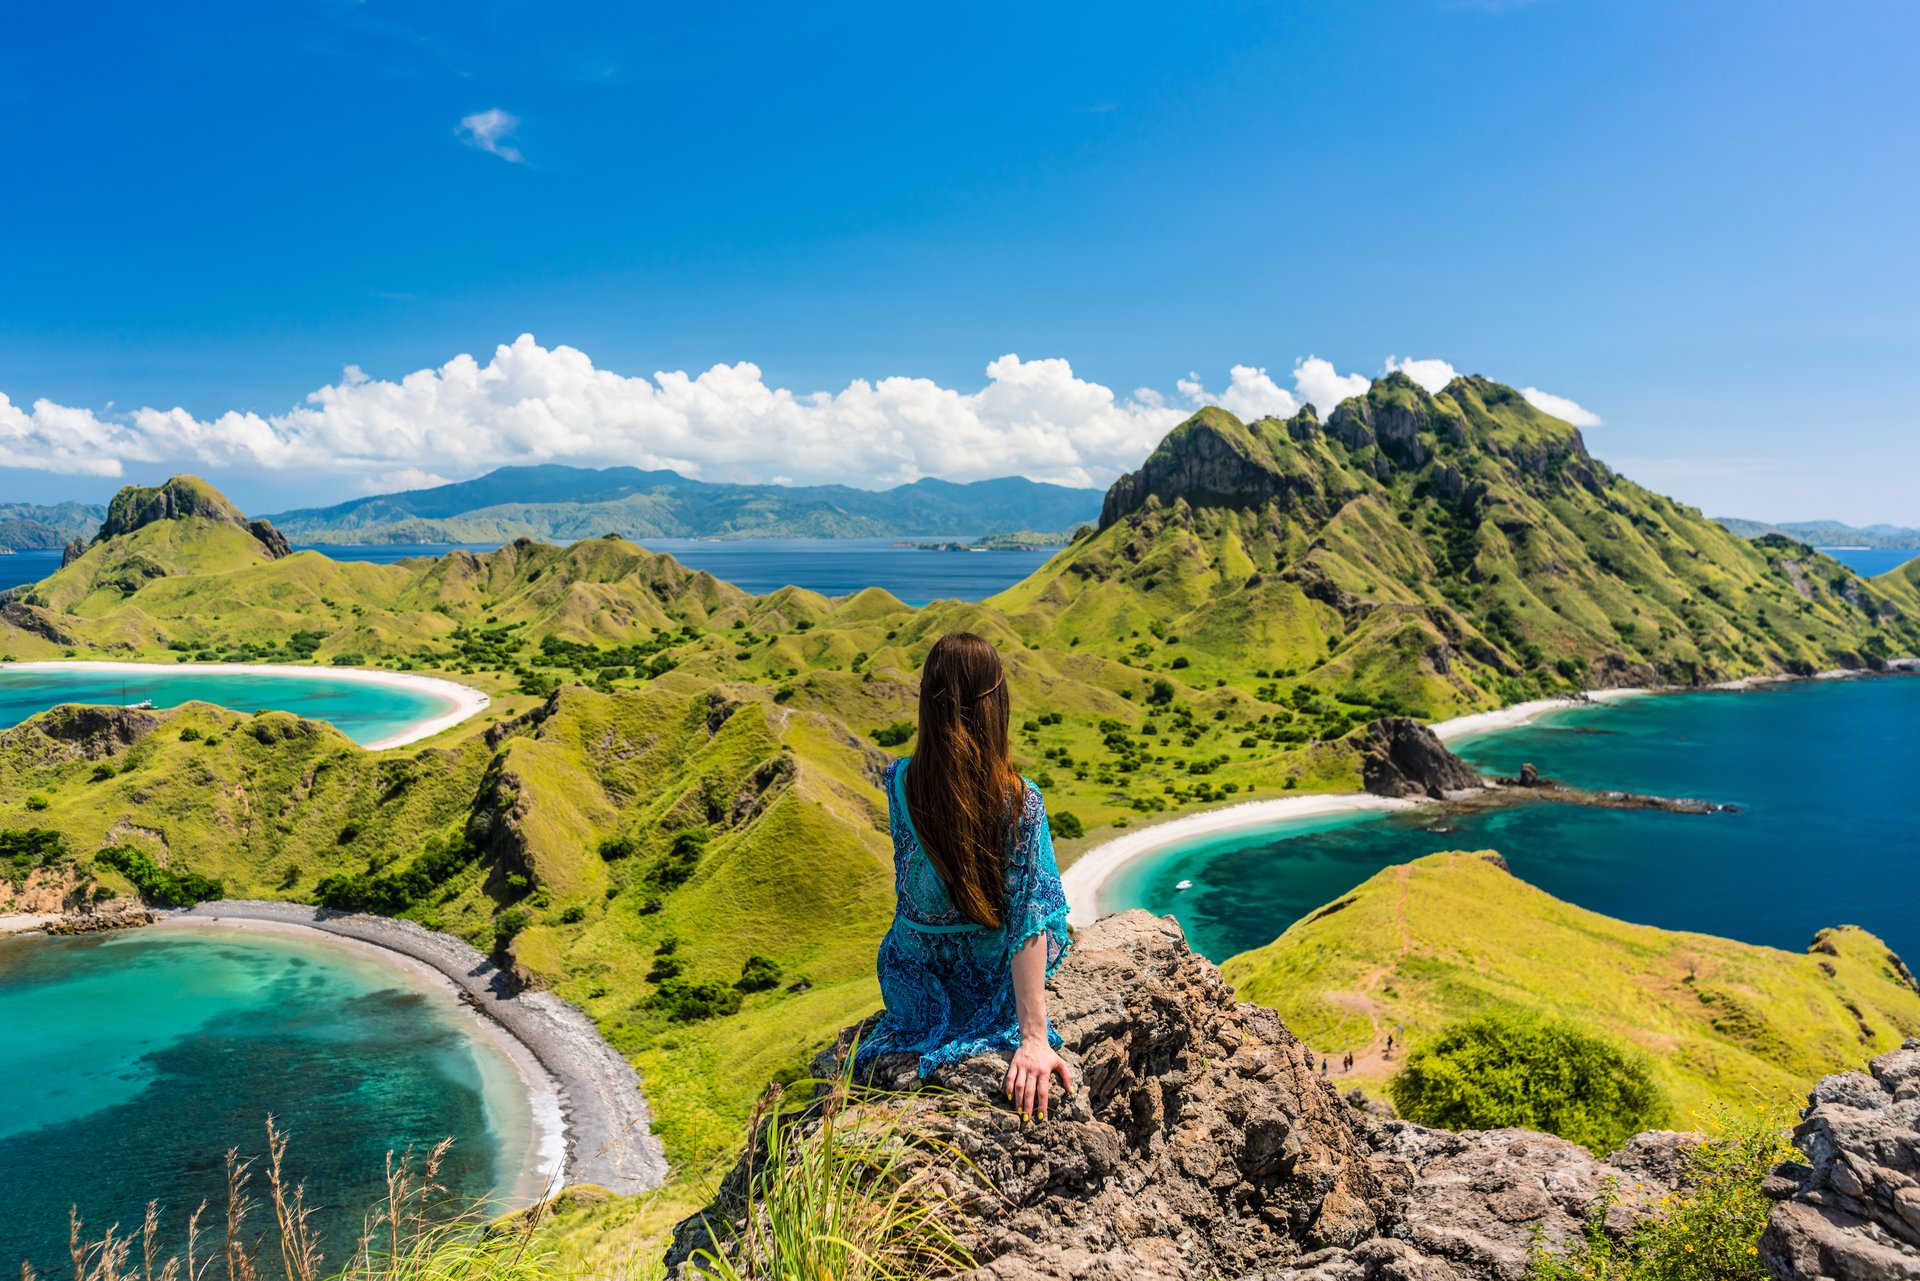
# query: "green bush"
{"points": [[893, 735], [36, 802], [103, 771], [759, 974], [189, 735], [161, 886], [1066, 825], [685, 1002], [25, 850], [508, 924], [1515, 1068], [1708, 1230]]}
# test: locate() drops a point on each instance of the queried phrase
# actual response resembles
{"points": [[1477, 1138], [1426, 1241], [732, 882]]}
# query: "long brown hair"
{"points": [[962, 791]]}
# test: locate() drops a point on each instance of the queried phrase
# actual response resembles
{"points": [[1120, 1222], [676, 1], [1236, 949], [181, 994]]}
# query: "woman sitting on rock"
{"points": [[981, 920]]}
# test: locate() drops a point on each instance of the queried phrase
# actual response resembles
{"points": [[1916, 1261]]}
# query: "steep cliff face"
{"points": [[181, 498], [1203, 1142]]}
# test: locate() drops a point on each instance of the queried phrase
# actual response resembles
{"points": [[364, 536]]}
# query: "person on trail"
{"points": [[980, 918]]}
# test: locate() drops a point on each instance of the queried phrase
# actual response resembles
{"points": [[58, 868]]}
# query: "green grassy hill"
{"points": [[1449, 935]]}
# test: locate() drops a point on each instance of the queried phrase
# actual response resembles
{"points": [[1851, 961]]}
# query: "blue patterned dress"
{"points": [[948, 982]]}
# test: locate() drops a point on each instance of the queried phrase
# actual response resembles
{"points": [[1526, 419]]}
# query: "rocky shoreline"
{"points": [[607, 1124]]}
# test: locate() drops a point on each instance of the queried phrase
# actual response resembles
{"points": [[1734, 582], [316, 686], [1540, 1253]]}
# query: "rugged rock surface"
{"points": [[75, 731], [1402, 757], [1852, 1211], [1207, 461], [74, 550], [1203, 1143], [181, 498]]}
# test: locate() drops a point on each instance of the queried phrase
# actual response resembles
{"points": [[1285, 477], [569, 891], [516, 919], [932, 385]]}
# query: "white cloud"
{"points": [[1430, 374], [1560, 407], [529, 404], [489, 130], [1324, 387], [403, 478], [73, 442]]}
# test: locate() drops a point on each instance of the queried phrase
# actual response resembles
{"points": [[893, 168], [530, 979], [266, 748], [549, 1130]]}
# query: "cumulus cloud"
{"points": [[1430, 374], [489, 130], [73, 442], [527, 404], [1560, 407], [1324, 387]]}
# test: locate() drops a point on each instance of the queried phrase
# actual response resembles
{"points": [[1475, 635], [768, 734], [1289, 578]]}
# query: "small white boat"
{"points": [[1184, 885], [144, 705]]}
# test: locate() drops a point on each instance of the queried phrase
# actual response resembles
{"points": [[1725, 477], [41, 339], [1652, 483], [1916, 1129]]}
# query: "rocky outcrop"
{"points": [[1851, 1211], [90, 733], [35, 621], [183, 498], [1210, 460], [74, 550], [1402, 757], [1203, 1142]]}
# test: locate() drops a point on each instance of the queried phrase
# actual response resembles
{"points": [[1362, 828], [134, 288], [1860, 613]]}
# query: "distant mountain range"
{"points": [[561, 504], [1826, 533], [31, 526]]}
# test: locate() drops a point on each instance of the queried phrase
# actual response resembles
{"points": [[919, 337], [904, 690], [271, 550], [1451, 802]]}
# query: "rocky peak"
{"points": [[1401, 757], [183, 498], [1212, 459], [1204, 1142]]}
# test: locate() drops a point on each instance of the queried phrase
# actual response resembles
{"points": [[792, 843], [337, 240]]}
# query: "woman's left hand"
{"points": [[1030, 1073]]}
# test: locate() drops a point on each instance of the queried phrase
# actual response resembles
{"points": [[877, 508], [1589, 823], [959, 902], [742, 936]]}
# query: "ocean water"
{"points": [[830, 566], [134, 1061], [1869, 561], [364, 712], [1826, 775]]}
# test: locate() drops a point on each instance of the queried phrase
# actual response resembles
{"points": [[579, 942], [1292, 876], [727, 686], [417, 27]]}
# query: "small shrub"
{"points": [[508, 924], [572, 914], [893, 735], [36, 802], [685, 1002], [190, 735], [1066, 825], [1515, 1068], [103, 771], [759, 974]]}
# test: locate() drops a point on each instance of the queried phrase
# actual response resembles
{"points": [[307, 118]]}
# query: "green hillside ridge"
{"points": [[40, 527], [561, 504], [1827, 533], [675, 775], [1450, 935]]}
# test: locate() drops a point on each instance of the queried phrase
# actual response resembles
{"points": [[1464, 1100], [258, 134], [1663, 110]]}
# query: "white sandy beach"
{"points": [[462, 701], [1086, 878]]}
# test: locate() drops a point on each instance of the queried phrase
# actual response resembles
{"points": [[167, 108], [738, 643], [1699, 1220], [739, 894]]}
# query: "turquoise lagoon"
{"points": [[367, 711], [1825, 775], [134, 1061]]}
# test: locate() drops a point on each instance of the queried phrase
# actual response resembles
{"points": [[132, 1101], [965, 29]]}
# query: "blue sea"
{"points": [[363, 711], [1825, 775], [830, 566], [1871, 561], [134, 1061]]}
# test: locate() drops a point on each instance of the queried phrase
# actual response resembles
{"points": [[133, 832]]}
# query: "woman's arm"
{"points": [[1035, 1062]]}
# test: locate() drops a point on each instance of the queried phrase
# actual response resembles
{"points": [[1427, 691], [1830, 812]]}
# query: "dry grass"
{"points": [[413, 1234]]}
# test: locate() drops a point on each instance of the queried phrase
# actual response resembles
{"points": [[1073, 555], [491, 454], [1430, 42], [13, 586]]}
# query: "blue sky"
{"points": [[1694, 220]]}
